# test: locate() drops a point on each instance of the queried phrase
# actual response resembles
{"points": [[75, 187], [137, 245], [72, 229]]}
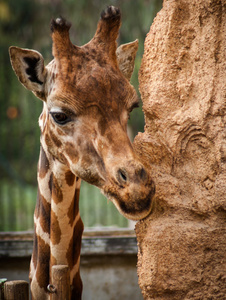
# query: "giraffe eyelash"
{"points": [[134, 105]]}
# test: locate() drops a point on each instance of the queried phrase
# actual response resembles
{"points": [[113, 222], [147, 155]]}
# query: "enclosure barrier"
{"points": [[60, 287], [16, 290]]}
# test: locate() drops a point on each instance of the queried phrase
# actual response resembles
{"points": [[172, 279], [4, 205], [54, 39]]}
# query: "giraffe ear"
{"points": [[126, 54], [30, 70]]}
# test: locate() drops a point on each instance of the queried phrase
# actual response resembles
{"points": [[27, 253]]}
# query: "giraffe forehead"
{"points": [[112, 95], [86, 74], [76, 64], [82, 56], [83, 81]]}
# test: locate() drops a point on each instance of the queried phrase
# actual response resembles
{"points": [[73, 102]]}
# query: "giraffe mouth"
{"points": [[134, 202]]}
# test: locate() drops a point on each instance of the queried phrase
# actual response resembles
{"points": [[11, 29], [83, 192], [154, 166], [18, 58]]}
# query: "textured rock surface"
{"points": [[182, 244]]}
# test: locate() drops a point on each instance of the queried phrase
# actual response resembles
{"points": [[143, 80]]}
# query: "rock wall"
{"points": [[182, 244]]}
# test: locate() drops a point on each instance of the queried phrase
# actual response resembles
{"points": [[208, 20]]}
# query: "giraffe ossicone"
{"points": [[87, 99]]}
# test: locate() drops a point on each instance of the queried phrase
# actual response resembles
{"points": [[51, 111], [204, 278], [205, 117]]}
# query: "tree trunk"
{"points": [[182, 244]]}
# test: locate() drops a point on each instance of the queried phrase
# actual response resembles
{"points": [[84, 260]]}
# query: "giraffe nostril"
{"points": [[143, 174], [132, 174], [122, 176]]}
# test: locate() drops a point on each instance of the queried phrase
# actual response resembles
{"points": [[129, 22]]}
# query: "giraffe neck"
{"points": [[58, 226]]}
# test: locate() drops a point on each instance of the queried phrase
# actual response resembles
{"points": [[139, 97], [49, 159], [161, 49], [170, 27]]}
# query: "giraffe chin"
{"points": [[132, 204]]}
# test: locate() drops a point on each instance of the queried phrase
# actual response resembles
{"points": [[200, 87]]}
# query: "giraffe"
{"points": [[87, 99]]}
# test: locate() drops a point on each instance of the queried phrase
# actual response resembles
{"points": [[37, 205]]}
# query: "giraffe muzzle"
{"points": [[129, 174], [131, 190]]}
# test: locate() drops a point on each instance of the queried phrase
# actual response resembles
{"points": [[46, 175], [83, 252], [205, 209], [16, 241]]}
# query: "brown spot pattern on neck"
{"points": [[70, 178], [43, 164], [57, 194]]}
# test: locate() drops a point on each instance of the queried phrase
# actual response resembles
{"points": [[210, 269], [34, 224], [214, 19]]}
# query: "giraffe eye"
{"points": [[60, 118]]}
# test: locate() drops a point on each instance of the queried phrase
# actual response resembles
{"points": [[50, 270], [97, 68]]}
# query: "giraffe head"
{"points": [[87, 100]]}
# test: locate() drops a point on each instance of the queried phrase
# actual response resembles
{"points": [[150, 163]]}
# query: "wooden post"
{"points": [[61, 282], [18, 289]]}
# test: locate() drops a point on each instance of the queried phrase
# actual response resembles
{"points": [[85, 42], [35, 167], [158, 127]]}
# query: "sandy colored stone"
{"points": [[182, 79]]}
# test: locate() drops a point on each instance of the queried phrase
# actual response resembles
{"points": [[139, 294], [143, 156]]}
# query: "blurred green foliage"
{"points": [[25, 23]]}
